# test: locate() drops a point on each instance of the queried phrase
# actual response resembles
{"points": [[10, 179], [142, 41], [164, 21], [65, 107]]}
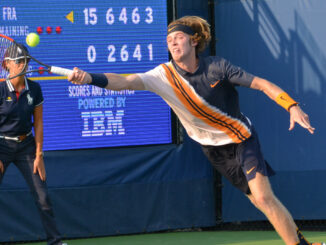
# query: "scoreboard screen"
{"points": [[124, 37]]}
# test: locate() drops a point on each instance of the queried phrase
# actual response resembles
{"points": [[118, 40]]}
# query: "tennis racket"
{"points": [[11, 50]]}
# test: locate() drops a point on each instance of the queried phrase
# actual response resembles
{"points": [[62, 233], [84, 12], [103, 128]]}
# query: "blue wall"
{"points": [[114, 191], [284, 42]]}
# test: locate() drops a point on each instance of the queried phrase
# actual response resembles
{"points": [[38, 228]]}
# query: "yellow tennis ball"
{"points": [[32, 39]]}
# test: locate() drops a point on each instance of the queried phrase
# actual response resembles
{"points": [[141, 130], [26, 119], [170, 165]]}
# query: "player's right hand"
{"points": [[79, 77]]}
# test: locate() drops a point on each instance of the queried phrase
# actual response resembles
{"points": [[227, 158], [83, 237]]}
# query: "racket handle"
{"points": [[60, 71]]}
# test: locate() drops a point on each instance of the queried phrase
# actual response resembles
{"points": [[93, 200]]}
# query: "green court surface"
{"points": [[194, 238]]}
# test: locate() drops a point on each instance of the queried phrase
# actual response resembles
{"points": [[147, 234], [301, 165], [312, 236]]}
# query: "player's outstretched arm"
{"points": [[283, 99], [107, 80]]}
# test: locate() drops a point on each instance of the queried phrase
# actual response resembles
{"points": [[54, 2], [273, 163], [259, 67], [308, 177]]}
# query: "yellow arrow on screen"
{"points": [[70, 16]]}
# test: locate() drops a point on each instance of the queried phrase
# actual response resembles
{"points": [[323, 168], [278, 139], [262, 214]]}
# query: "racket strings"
{"points": [[12, 51], [9, 50], [5, 51]]}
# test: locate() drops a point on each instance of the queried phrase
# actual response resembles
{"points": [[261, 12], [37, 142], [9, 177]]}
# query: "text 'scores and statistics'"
{"points": [[98, 36]]}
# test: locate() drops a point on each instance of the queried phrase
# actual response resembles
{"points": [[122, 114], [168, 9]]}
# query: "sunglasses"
{"points": [[19, 61]]}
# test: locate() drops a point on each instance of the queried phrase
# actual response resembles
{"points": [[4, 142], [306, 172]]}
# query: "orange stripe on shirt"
{"points": [[196, 107]]}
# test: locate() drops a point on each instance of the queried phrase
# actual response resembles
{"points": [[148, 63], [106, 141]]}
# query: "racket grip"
{"points": [[60, 71]]}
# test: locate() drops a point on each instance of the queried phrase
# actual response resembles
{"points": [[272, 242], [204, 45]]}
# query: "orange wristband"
{"points": [[284, 100]]}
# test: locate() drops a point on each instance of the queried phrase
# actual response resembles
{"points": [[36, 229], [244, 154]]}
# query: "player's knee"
{"points": [[263, 201]]}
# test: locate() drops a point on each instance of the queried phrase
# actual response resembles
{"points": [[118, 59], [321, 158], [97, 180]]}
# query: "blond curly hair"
{"points": [[201, 28]]}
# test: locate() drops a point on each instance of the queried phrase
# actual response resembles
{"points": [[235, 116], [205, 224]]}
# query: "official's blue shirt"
{"points": [[16, 113]]}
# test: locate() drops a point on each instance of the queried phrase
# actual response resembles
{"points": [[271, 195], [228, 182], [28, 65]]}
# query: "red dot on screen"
{"points": [[39, 30], [49, 30], [40, 70], [58, 29]]}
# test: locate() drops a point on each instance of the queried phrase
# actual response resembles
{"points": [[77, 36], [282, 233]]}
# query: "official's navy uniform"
{"points": [[207, 104], [17, 145]]}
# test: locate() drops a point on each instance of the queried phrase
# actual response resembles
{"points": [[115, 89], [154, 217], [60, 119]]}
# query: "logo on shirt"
{"points": [[29, 99], [9, 99], [214, 84]]}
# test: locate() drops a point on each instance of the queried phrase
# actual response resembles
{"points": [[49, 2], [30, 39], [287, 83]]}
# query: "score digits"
{"points": [[125, 53], [91, 16]]}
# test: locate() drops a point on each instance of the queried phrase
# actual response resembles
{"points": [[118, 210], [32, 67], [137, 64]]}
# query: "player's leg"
{"points": [[240, 164], [256, 171], [232, 163], [264, 199]]}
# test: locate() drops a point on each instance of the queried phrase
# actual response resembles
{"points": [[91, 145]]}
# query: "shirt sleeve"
{"points": [[152, 79], [237, 75]]}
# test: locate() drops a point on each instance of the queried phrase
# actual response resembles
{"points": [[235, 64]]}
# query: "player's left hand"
{"points": [[298, 116], [39, 168]]}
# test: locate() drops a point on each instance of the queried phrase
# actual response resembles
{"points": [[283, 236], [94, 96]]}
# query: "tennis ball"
{"points": [[32, 39]]}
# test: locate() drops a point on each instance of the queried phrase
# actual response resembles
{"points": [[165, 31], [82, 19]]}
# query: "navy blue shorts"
{"points": [[239, 163]]}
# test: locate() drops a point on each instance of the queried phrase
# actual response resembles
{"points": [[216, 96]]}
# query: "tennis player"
{"points": [[202, 93], [21, 100]]}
